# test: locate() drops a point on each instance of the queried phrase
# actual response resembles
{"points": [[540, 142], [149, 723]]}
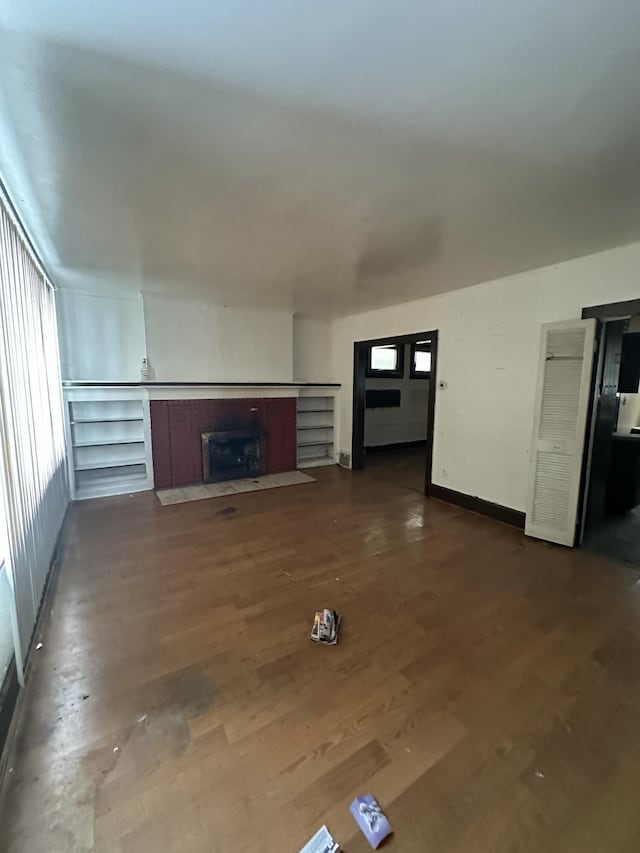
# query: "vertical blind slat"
{"points": [[31, 424]]}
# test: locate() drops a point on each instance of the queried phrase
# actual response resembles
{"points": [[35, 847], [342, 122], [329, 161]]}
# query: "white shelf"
{"points": [[108, 442], [109, 463], [316, 461], [106, 420], [108, 488], [113, 472], [110, 481], [315, 417]]}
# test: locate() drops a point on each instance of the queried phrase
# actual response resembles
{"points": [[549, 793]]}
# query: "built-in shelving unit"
{"points": [[108, 428], [109, 440], [315, 423]]}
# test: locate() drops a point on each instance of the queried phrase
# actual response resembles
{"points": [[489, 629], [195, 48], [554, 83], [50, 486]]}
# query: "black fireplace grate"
{"points": [[231, 454]]}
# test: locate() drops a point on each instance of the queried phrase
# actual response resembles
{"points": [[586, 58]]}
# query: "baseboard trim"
{"points": [[496, 511], [9, 691]]}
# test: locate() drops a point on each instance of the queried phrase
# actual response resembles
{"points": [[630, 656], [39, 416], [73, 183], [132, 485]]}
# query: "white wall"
{"points": [[408, 421], [101, 336], [488, 349], [311, 349], [104, 337], [201, 342]]}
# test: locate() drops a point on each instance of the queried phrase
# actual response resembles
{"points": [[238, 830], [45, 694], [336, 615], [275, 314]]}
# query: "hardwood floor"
{"points": [[617, 538], [400, 466], [486, 688]]}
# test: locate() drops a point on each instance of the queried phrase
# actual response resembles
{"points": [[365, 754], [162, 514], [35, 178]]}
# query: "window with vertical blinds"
{"points": [[32, 459]]}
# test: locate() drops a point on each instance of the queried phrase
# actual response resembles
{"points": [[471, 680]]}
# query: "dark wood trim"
{"points": [[496, 511], [49, 586], [401, 445], [360, 361], [360, 355], [431, 412], [399, 339], [9, 691], [585, 468], [602, 313], [69, 383], [612, 311]]}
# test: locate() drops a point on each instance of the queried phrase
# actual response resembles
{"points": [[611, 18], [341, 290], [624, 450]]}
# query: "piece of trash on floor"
{"points": [[371, 819], [142, 718], [322, 842], [326, 624], [539, 774], [116, 749], [39, 646]]}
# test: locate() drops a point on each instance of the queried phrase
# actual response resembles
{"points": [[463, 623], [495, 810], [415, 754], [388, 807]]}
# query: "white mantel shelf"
{"points": [[208, 390]]}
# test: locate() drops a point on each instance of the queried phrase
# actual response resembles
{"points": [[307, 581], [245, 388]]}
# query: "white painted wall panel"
{"points": [[200, 342], [489, 339], [102, 337], [311, 349]]}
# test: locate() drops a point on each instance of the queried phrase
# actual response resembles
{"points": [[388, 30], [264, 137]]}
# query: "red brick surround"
{"points": [[176, 426]]}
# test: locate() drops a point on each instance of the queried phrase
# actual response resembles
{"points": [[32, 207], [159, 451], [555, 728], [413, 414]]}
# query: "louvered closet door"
{"points": [[562, 399]]}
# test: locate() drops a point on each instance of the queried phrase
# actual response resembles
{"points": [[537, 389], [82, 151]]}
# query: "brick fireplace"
{"points": [[178, 425]]}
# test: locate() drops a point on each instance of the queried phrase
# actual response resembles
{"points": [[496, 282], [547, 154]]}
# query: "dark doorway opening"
{"points": [[388, 374], [611, 481]]}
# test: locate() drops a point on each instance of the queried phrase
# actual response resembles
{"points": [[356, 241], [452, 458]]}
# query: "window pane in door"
{"points": [[384, 358], [422, 361]]}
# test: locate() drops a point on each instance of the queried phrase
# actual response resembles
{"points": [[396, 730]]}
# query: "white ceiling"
{"points": [[327, 156]]}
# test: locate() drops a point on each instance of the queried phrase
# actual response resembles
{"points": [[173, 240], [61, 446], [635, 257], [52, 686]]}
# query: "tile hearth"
{"points": [[167, 497]]}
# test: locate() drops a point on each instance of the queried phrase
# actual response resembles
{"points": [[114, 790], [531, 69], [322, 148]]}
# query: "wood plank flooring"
{"points": [[486, 688], [401, 466]]}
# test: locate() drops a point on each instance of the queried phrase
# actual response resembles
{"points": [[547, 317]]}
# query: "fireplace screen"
{"points": [[231, 454]]}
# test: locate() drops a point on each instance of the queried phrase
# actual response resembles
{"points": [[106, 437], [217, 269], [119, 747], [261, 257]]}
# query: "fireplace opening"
{"points": [[232, 454]]}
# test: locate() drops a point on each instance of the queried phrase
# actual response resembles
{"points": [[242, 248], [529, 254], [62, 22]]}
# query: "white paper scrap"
{"points": [[322, 842]]}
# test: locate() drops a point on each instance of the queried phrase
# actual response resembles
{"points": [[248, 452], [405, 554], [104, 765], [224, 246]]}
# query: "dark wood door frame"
{"points": [[360, 360], [613, 311], [603, 314], [604, 408]]}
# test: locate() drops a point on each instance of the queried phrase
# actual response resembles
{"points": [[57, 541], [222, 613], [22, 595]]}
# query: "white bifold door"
{"points": [[559, 433]]}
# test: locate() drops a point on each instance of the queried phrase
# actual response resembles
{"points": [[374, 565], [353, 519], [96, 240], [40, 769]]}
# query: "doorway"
{"points": [[611, 505], [394, 392]]}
